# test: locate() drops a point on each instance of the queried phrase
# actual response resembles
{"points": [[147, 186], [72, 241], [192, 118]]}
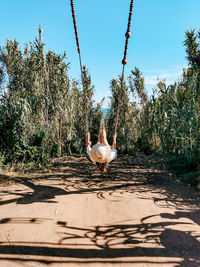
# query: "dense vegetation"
{"points": [[42, 111], [168, 121]]}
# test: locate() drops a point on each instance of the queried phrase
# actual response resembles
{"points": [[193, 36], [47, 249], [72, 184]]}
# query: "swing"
{"points": [[124, 62]]}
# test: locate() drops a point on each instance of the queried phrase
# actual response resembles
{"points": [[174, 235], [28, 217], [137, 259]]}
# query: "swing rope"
{"points": [[81, 68], [124, 62]]}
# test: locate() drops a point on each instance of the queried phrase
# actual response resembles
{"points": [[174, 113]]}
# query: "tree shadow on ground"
{"points": [[117, 243], [125, 176]]}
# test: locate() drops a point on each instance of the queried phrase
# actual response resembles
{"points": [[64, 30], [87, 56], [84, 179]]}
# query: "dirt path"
{"points": [[135, 215]]}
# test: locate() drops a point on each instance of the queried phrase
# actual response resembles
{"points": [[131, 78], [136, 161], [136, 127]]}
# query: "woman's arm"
{"points": [[88, 142]]}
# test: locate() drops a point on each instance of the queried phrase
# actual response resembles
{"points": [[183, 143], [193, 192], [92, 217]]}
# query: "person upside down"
{"points": [[101, 154]]}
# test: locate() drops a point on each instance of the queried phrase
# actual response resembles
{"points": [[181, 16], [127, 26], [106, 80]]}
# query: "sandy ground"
{"points": [[137, 214]]}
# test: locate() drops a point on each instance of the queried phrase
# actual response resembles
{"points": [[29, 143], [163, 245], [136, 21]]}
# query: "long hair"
{"points": [[101, 167]]}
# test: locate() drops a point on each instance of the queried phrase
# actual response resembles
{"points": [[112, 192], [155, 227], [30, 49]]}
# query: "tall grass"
{"points": [[167, 122], [42, 110]]}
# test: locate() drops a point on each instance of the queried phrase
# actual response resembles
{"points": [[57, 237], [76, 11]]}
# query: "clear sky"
{"points": [[156, 45]]}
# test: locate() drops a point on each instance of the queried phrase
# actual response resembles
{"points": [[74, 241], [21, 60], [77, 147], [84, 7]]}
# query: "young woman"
{"points": [[101, 153]]}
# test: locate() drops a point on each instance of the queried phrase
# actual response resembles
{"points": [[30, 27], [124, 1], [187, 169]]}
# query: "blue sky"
{"points": [[156, 45]]}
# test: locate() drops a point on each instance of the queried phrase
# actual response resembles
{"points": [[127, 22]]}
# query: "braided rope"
{"points": [[75, 26], [81, 68], [124, 62]]}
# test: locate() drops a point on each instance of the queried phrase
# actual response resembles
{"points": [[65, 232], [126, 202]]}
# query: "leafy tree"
{"points": [[42, 111], [192, 43]]}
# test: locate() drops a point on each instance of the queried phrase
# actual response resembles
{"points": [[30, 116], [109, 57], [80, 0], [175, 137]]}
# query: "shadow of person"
{"points": [[41, 193], [181, 244]]}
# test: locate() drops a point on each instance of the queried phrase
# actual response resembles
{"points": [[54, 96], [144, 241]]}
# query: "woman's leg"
{"points": [[102, 138]]}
